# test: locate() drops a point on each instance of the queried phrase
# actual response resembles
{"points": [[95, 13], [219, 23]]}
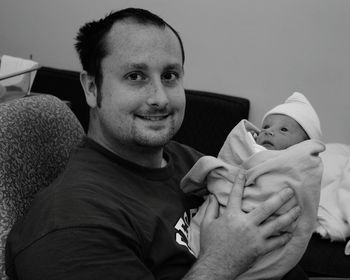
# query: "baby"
{"points": [[284, 153]]}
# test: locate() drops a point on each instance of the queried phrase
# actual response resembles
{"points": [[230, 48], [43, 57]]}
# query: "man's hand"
{"points": [[231, 243]]}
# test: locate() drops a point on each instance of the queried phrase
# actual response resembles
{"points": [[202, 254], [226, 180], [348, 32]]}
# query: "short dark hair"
{"points": [[91, 38]]}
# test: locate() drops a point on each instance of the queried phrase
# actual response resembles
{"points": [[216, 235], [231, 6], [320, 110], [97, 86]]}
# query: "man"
{"points": [[117, 211]]}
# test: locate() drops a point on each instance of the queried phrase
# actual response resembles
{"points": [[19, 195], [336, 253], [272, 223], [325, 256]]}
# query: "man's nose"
{"points": [[157, 95]]}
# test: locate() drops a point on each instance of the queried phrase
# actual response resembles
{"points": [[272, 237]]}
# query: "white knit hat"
{"points": [[299, 108]]}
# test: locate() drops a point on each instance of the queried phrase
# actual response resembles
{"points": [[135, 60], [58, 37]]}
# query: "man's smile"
{"points": [[153, 117]]}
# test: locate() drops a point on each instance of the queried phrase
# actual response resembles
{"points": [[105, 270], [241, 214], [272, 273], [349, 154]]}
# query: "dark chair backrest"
{"points": [[64, 84], [209, 116]]}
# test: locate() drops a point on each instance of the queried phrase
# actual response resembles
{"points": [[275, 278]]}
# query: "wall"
{"points": [[262, 50]]}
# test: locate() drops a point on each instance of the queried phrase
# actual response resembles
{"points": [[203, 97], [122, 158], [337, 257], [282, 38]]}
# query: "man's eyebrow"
{"points": [[140, 66], [175, 66], [144, 66]]}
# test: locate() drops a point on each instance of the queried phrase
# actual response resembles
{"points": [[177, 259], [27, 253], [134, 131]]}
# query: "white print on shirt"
{"points": [[182, 229]]}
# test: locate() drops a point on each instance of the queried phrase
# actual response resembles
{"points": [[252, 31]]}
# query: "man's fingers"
{"points": [[274, 226], [276, 242], [272, 229], [235, 197], [212, 210], [271, 205]]}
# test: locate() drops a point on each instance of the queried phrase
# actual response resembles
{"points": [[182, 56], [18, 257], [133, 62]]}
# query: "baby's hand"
{"points": [[254, 134]]}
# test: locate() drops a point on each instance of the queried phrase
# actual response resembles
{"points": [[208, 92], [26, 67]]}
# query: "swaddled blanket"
{"points": [[333, 219], [267, 172]]}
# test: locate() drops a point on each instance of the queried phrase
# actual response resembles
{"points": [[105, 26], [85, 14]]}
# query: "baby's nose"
{"points": [[268, 132]]}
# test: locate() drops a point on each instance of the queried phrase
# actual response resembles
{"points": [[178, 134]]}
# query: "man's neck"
{"points": [[151, 157]]}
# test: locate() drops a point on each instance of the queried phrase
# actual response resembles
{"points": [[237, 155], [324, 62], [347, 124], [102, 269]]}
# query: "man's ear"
{"points": [[90, 88]]}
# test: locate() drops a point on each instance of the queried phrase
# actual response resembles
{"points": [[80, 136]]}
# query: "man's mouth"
{"points": [[153, 117]]}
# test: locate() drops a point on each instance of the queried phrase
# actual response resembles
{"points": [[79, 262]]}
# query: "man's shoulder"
{"points": [[177, 147], [182, 156]]}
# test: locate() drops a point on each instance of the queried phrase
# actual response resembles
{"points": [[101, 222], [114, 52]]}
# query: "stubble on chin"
{"points": [[154, 139]]}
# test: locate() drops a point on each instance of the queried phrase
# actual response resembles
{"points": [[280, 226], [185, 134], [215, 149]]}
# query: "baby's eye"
{"points": [[284, 129], [265, 126]]}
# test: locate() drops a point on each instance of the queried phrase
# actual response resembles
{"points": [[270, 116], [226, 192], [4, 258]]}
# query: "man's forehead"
{"points": [[128, 28], [134, 42]]}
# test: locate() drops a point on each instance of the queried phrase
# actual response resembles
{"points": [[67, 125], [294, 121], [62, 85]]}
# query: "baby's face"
{"points": [[280, 132]]}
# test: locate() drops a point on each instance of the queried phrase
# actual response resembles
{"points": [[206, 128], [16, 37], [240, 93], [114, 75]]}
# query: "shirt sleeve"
{"points": [[82, 253]]}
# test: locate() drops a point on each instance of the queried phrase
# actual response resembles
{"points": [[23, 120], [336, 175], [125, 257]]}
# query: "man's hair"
{"points": [[91, 43]]}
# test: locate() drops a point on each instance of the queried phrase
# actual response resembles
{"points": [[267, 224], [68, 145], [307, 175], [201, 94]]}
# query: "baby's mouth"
{"points": [[267, 144]]}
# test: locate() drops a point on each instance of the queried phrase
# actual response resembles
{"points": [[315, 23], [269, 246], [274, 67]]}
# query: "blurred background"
{"points": [[260, 50]]}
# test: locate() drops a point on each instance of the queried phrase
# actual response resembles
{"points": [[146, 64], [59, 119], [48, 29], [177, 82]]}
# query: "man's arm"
{"points": [[232, 242]]}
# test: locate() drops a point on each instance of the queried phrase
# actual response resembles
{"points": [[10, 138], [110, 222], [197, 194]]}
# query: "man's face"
{"points": [[143, 98], [280, 132]]}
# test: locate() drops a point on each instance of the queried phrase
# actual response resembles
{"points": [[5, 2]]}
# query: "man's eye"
{"points": [[170, 76], [135, 76]]}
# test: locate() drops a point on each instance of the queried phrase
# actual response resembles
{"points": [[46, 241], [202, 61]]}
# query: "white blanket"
{"points": [[334, 210]]}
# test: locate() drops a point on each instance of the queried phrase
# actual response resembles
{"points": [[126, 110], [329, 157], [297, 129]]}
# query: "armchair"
{"points": [[37, 134]]}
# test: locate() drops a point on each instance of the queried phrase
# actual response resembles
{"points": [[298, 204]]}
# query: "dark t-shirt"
{"points": [[107, 218]]}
